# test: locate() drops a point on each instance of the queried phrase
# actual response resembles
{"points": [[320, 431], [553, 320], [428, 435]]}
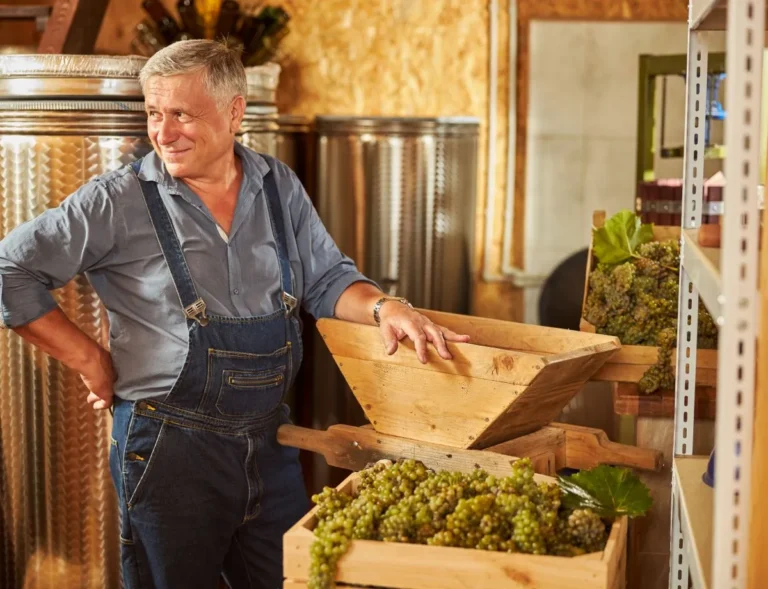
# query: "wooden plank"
{"points": [[353, 341], [586, 447], [545, 448], [633, 373], [648, 356], [628, 400], [485, 396], [411, 566], [543, 400], [439, 408], [516, 336], [73, 26], [354, 448]]}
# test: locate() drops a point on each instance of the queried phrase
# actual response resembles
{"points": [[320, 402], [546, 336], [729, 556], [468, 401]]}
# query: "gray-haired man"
{"points": [[201, 253]]}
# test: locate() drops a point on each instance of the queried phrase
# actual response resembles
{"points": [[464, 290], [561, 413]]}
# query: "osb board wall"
{"points": [[399, 57]]}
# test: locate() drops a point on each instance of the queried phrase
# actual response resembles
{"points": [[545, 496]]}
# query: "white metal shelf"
{"points": [[696, 502], [711, 15], [708, 15], [702, 264], [707, 523]]}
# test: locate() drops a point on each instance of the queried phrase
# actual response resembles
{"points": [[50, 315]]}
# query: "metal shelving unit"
{"points": [[708, 522]]}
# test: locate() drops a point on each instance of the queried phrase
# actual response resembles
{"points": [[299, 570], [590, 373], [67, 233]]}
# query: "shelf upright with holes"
{"points": [[711, 527]]}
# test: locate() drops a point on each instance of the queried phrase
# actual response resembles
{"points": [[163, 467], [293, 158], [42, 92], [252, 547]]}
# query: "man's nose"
{"points": [[166, 132]]}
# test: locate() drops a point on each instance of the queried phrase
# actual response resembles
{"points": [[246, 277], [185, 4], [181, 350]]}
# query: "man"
{"points": [[201, 253]]}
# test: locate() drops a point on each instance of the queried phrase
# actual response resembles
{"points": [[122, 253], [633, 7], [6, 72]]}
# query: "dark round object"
{"points": [[563, 291], [709, 476]]}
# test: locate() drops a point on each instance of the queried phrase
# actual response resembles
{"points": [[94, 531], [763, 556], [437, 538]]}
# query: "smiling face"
{"points": [[190, 132]]}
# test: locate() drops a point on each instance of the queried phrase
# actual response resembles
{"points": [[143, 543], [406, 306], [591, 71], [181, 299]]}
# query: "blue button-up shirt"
{"points": [[104, 231]]}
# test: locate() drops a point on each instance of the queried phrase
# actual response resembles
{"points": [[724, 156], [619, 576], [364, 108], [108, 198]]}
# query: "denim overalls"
{"points": [[203, 485]]}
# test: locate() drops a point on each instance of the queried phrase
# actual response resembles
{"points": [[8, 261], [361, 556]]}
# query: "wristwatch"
{"points": [[381, 301]]}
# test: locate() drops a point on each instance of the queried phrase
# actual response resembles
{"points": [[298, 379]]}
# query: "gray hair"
{"points": [[224, 76]]}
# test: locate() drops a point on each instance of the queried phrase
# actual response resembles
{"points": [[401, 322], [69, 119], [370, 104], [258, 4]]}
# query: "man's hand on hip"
{"points": [[100, 379], [58, 337]]}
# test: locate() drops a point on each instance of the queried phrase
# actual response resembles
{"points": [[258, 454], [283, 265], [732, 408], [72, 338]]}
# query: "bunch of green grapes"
{"points": [[637, 302], [406, 502]]}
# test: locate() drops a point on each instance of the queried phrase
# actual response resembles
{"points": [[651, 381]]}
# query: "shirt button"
{"points": [[236, 291]]}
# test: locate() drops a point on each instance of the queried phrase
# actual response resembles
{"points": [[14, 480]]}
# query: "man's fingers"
{"points": [[419, 339], [435, 335], [453, 337], [390, 337]]}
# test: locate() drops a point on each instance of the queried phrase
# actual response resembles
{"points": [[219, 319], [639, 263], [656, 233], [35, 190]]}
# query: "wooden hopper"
{"points": [[511, 380]]}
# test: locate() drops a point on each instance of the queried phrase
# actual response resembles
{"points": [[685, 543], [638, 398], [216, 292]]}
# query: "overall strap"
{"points": [[276, 218], [193, 305]]}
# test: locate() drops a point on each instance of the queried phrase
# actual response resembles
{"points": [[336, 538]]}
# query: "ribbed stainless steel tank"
{"points": [[63, 120], [398, 196]]}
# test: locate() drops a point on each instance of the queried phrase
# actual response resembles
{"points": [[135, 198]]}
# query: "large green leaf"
{"points": [[619, 238], [607, 490]]}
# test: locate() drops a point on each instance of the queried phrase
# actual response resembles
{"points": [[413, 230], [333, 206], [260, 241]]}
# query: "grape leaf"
{"points": [[608, 491], [619, 238]]}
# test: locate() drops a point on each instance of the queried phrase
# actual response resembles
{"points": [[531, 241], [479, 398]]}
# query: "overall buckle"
{"points": [[290, 303], [196, 311]]}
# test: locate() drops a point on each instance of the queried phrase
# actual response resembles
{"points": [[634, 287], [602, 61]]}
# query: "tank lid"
{"points": [[73, 76], [398, 125], [79, 76]]}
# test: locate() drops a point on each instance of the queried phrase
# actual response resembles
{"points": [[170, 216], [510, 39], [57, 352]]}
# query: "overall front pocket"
{"points": [[248, 384]]}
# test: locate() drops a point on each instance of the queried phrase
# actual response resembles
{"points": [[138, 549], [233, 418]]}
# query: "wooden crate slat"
{"points": [[409, 566]]}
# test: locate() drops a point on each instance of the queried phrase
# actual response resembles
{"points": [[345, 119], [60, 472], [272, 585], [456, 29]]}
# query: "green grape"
{"points": [[637, 301], [622, 277], [406, 502], [586, 530], [330, 501]]}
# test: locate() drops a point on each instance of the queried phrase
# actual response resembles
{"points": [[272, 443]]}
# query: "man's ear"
{"points": [[236, 114]]}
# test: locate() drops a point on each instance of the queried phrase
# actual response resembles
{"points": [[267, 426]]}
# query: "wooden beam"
{"points": [[353, 448], [73, 27]]}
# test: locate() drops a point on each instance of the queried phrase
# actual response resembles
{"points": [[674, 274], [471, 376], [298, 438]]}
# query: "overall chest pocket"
{"points": [[245, 384]]}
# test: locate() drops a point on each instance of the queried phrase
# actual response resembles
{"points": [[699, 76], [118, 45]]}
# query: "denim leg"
{"points": [[185, 494], [255, 557]]}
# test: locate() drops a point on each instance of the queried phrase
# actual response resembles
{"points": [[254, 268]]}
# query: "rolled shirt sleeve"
{"points": [[327, 271], [47, 252]]}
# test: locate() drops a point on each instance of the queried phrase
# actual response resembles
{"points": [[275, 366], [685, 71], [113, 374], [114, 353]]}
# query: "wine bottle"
{"points": [[267, 48], [149, 37], [164, 21], [264, 43], [189, 18], [228, 17]]}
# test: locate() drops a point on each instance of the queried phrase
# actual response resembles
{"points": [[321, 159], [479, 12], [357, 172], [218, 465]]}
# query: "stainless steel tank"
{"points": [[293, 146], [398, 196], [64, 120]]}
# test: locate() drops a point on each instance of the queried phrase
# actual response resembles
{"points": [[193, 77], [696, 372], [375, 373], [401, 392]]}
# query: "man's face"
{"points": [[188, 129]]}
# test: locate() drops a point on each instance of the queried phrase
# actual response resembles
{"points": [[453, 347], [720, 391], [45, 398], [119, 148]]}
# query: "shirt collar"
{"points": [[254, 169]]}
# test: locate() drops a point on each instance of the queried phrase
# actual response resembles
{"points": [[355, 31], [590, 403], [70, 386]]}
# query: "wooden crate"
{"points": [[510, 380], [630, 363], [411, 566]]}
